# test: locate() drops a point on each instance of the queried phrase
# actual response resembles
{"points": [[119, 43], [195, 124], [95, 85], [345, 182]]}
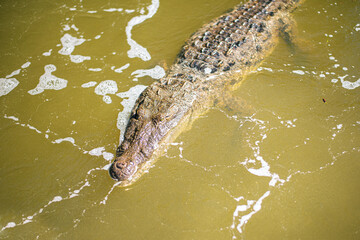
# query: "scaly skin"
{"points": [[215, 59]]}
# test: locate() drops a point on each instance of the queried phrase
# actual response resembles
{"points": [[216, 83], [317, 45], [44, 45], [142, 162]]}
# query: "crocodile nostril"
{"points": [[120, 165]]}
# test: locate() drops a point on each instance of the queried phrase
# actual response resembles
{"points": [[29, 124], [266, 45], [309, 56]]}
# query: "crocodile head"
{"points": [[136, 153], [157, 118]]}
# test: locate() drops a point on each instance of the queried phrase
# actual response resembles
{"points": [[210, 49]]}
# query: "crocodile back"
{"points": [[235, 41]]}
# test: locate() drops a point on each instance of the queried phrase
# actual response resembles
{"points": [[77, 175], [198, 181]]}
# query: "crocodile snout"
{"points": [[122, 170]]}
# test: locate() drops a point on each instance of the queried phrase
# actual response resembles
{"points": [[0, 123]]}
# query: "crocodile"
{"points": [[213, 62]]}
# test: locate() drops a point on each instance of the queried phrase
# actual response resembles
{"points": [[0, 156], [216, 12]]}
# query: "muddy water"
{"points": [[69, 74]]}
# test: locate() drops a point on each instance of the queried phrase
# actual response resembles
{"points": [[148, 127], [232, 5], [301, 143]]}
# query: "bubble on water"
{"points": [[7, 85], [106, 87], [128, 102], [49, 81]]}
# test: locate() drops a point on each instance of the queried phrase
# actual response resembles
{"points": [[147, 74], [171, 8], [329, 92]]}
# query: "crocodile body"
{"points": [[215, 59]]}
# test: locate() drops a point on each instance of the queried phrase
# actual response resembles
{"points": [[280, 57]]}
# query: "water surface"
{"points": [[70, 72]]}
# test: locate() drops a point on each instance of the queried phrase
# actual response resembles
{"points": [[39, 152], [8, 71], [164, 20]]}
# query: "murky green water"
{"points": [[288, 170]]}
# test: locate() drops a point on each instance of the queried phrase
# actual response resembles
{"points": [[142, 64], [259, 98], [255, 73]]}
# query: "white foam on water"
{"points": [[14, 73], [7, 85], [255, 208], [106, 87], [79, 58], [259, 69], [100, 151], [120, 69], [56, 199], [48, 53], [12, 118], [17, 122], [49, 81], [300, 72], [89, 84], [97, 151], [129, 99], [113, 10], [67, 139], [157, 72], [107, 195], [74, 27], [347, 84], [264, 170], [29, 218], [137, 50], [357, 27], [108, 156], [95, 69], [26, 65], [66, 27], [69, 43]]}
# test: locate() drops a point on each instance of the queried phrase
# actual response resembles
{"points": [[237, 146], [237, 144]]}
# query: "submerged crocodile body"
{"points": [[212, 62]]}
